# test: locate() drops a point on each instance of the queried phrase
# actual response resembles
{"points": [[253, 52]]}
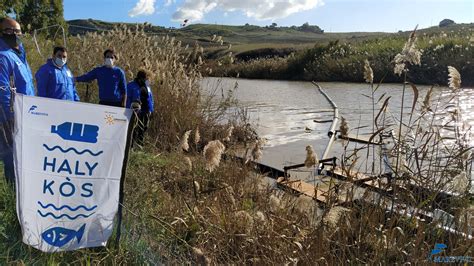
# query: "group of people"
{"points": [[55, 80]]}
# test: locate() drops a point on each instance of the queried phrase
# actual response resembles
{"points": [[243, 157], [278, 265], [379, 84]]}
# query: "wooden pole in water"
{"points": [[335, 121]]}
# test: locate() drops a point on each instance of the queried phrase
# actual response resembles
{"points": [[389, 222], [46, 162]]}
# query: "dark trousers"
{"points": [[141, 127], [117, 104], [6, 150]]}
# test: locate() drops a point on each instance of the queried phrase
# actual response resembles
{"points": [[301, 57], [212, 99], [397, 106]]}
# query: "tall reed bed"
{"points": [[425, 163]]}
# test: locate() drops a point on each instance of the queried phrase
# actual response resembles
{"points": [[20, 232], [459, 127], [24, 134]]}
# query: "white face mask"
{"points": [[60, 61], [109, 62]]}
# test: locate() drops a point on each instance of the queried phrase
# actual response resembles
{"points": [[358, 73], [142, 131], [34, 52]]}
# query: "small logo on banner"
{"points": [[32, 111]]}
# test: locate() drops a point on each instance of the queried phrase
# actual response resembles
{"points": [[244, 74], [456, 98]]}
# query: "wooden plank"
{"points": [[358, 178], [319, 192], [359, 138]]}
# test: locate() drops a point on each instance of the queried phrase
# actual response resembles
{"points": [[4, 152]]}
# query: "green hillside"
{"points": [[232, 34]]}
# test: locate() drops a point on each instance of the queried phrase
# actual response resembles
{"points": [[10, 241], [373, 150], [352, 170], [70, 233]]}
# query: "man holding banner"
{"points": [[15, 75]]}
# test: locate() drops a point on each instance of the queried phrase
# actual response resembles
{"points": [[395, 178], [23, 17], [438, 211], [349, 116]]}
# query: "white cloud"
{"points": [[143, 7], [195, 10], [169, 2]]}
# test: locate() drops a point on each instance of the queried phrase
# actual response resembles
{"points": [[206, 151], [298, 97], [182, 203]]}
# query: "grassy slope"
{"points": [[231, 34], [242, 38]]}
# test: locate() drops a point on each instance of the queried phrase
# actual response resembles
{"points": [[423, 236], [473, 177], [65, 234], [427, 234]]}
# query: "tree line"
{"points": [[35, 14]]}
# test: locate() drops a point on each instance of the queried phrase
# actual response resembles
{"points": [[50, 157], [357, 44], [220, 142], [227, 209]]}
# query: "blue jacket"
{"points": [[54, 82], [13, 67], [111, 81], [134, 94]]}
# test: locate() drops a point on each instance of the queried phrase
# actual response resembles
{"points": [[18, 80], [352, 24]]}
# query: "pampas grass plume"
{"points": [[311, 157], [368, 72], [183, 145], [197, 136], [228, 133], [212, 153], [454, 78]]}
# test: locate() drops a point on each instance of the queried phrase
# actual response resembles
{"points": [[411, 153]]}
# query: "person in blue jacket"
{"points": [[54, 79], [15, 76], [139, 92], [111, 79]]}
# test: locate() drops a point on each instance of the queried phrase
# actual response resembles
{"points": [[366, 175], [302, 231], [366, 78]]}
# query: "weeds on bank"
{"points": [[343, 60], [423, 166]]}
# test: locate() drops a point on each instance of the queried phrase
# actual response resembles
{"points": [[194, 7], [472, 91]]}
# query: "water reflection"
{"points": [[284, 111]]}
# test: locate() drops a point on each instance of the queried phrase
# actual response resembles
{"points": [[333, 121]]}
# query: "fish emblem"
{"points": [[59, 236]]}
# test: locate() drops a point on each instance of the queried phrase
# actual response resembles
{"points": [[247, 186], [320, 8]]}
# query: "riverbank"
{"points": [[344, 60], [177, 212]]}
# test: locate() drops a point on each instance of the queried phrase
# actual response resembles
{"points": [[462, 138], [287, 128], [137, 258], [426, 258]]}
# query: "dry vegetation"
{"points": [[185, 206]]}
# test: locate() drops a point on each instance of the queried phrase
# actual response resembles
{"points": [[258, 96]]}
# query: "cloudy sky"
{"points": [[330, 15]]}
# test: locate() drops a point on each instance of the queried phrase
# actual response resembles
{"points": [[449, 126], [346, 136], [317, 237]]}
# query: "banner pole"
{"points": [[87, 93], [122, 179]]}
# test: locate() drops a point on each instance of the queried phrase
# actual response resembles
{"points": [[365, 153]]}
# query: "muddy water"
{"points": [[284, 112]]}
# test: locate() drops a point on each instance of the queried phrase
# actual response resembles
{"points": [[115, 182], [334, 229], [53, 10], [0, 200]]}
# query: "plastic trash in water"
{"points": [[77, 132]]}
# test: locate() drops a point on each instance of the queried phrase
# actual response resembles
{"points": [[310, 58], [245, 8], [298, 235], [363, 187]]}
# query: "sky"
{"points": [[330, 15]]}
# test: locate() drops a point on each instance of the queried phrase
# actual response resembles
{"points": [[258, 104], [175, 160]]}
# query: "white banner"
{"points": [[68, 159]]}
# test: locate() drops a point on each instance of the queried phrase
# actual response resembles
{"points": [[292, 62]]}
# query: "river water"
{"points": [[283, 112]]}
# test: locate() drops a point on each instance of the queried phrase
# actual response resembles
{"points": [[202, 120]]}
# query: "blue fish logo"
{"points": [[59, 236], [438, 248]]}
